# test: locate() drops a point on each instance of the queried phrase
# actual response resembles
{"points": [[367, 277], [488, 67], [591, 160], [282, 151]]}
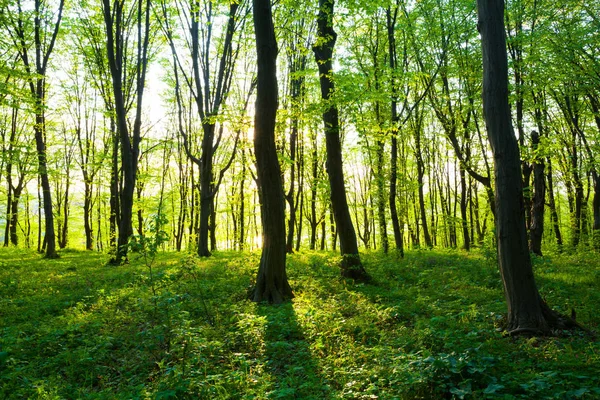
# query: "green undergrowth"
{"points": [[428, 326]]}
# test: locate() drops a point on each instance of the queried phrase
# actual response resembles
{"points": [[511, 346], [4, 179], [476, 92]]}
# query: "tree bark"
{"points": [[271, 283], [351, 265]]}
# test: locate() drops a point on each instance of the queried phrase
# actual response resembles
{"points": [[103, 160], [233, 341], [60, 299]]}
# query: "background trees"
{"points": [[416, 165]]}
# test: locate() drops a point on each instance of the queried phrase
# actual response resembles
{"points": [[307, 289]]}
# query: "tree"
{"points": [[351, 265], [44, 32], [271, 282], [209, 90], [115, 20], [527, 312]]}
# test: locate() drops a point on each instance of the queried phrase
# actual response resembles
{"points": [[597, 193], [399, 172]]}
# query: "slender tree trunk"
{"points": [[552, 205], [536, 229], [206, 195], [351, 264], [313, 192], [463, 210], [40, 124], [114, 187], [421, 184], [9, 203], [271, 283], [87, 209], [64, 235], [243, 203], [395, 119]]}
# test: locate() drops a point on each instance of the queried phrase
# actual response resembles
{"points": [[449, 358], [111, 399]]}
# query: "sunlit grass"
{"points": [[428, 326]]}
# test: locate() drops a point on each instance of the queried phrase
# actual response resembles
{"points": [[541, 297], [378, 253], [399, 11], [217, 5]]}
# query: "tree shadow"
{"points": [[296, 374]]}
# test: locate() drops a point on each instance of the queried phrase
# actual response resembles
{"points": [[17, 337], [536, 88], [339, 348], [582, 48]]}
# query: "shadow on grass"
{"points": [[296, 374]]}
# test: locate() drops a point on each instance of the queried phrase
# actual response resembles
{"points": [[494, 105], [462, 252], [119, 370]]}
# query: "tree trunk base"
{"points": [[271, 293], [352, 268], [553, 324], [52, 256]]}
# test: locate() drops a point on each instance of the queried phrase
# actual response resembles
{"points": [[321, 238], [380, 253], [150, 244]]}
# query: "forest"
{"points": [[393, 199]]}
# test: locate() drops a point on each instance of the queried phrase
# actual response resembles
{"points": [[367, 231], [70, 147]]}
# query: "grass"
{"points": [[428, 327]]}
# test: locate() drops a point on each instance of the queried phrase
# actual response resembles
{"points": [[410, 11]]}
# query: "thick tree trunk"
{"points": [[351, 265], [526, 310], [271, 282]]}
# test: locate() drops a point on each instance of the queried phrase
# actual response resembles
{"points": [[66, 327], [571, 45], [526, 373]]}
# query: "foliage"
{"points": [[427, 326]]}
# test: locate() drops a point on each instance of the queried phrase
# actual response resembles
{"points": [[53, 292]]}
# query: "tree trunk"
{"points": [[64, 235], [526, 310], [271, 282], [536, 229], [114, 187], [420, 182], [395, 119], [40, 125], [115, 50], [87, 216], [552, 205], [206, 195], [351, 265], [463, 210]]}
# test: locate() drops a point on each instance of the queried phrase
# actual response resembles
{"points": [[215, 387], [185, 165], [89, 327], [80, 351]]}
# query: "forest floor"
{"points": [[429, 326]]}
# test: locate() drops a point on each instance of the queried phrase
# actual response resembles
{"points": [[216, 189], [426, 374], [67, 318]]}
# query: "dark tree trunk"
{"points": [[463, 210], [536, 229], [114, 187], [64, 234], [14, 215], [420, 181], [297, 65], [271, 282], [552, 205], [395, 119], [314, 223], [87, 217], [40, 125], [351, 264], [242, 203], [7, 228], [595, 104], [206, 195], [527, 312], [114, 20]]}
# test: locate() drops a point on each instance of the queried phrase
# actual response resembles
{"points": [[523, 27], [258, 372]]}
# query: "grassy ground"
{"points": [[428, 327]]}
